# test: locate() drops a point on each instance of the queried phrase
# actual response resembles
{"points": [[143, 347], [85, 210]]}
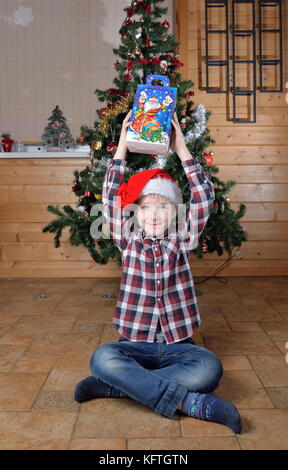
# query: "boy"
{"points": [[155, 361]]}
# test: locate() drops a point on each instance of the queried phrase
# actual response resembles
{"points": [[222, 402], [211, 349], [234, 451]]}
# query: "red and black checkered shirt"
{"points": [[156, 282]]}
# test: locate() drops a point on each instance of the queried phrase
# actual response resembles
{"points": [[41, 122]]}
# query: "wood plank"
{"points": [[249, 135], [272, 250], [250, 154], [199, 268], [254, 174]]}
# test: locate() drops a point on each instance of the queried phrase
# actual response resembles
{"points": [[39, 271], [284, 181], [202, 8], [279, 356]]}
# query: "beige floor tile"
{"points": [[193, 427], [279, 396], [240, 343], [18, 391], [98, 444], [213, 322], [130, 419], [280, 304], [9, 354], [75, 346], [36, 430], [34, 444], [240, 313], [9, 317], [235, 363], [55, 400], [17, 336], [264, 430], [245, 326], [243, 389], [34, 365], [46, 323], [282, 346], [278, 331], [99, 313], [272, 370], [68, 310], [184, 443], [88, 327], [36, 307], [66, 374]]}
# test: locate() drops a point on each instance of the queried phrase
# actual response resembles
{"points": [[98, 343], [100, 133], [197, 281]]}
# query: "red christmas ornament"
{"points": [[155, 60], [87, 194], [208, 156], [128, 22], [111, 147], [124, 36], [128, 77], [165, 24], [130, 64], [81, 138], [111, 105], [75, 187], [143, 61], [102, 111]]}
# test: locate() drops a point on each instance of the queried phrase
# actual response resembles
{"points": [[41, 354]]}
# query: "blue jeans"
{"points": [[158, 375]]}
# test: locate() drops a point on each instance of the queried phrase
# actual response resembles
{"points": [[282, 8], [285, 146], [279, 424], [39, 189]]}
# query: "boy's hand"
{"points": [[177, 140], [122, 147]]}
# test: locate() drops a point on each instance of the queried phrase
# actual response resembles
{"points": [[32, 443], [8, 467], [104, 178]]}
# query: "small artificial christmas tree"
{"points": [[146, 48], [57, 134]]}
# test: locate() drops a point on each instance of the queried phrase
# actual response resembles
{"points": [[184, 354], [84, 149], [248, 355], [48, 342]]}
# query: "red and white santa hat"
{"points": [[155, 181]]}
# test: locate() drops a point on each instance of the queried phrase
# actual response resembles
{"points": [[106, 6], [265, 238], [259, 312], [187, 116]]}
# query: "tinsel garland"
{"points": [[120, 108], [200, 125]]}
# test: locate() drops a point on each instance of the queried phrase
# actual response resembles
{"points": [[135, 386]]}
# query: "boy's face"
{"points": [[155, 214]]}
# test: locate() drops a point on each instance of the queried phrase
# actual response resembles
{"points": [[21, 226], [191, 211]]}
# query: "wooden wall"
{"points": [[255, 155]]}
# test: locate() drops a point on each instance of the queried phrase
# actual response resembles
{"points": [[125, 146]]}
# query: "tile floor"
{"points": [[46, 344]]}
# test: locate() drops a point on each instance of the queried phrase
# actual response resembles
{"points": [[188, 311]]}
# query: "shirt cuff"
{"points": [[191, 166], [117, 163]]}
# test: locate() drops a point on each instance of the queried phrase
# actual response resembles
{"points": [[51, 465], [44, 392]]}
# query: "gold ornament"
{"points": [[164, 37], [137, 51], [142, 19], [97, 145], [97, 196]]}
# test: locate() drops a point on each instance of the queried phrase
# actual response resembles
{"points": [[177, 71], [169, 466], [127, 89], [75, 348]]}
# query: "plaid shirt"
{"points": [[156, 279]]}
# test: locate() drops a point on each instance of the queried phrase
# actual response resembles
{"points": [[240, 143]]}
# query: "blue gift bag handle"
{"points": [[150, 78]]}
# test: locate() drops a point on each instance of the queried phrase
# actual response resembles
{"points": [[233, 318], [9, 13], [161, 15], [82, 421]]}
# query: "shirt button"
{"points": [[157, 264], [158, 282], [158, 299]]}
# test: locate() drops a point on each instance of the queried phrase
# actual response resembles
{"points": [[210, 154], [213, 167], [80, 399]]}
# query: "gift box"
{"points": [[151, 115]]}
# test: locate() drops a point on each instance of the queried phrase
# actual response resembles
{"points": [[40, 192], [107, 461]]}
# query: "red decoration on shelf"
{"points": [[208, 156], [166, 24], [7, 143]]}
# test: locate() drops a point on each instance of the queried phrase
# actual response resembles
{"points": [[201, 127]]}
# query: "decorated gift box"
{"points": [[151, 115]]}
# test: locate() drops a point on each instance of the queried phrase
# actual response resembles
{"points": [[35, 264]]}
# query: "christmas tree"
{"points": [[57, 133], [146, 48]]}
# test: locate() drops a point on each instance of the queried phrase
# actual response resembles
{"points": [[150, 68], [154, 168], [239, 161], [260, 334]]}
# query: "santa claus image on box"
{"points": [[145, 116]]}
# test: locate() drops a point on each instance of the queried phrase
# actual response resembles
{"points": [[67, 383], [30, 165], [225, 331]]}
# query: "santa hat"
{"points": [[155, 181]]}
